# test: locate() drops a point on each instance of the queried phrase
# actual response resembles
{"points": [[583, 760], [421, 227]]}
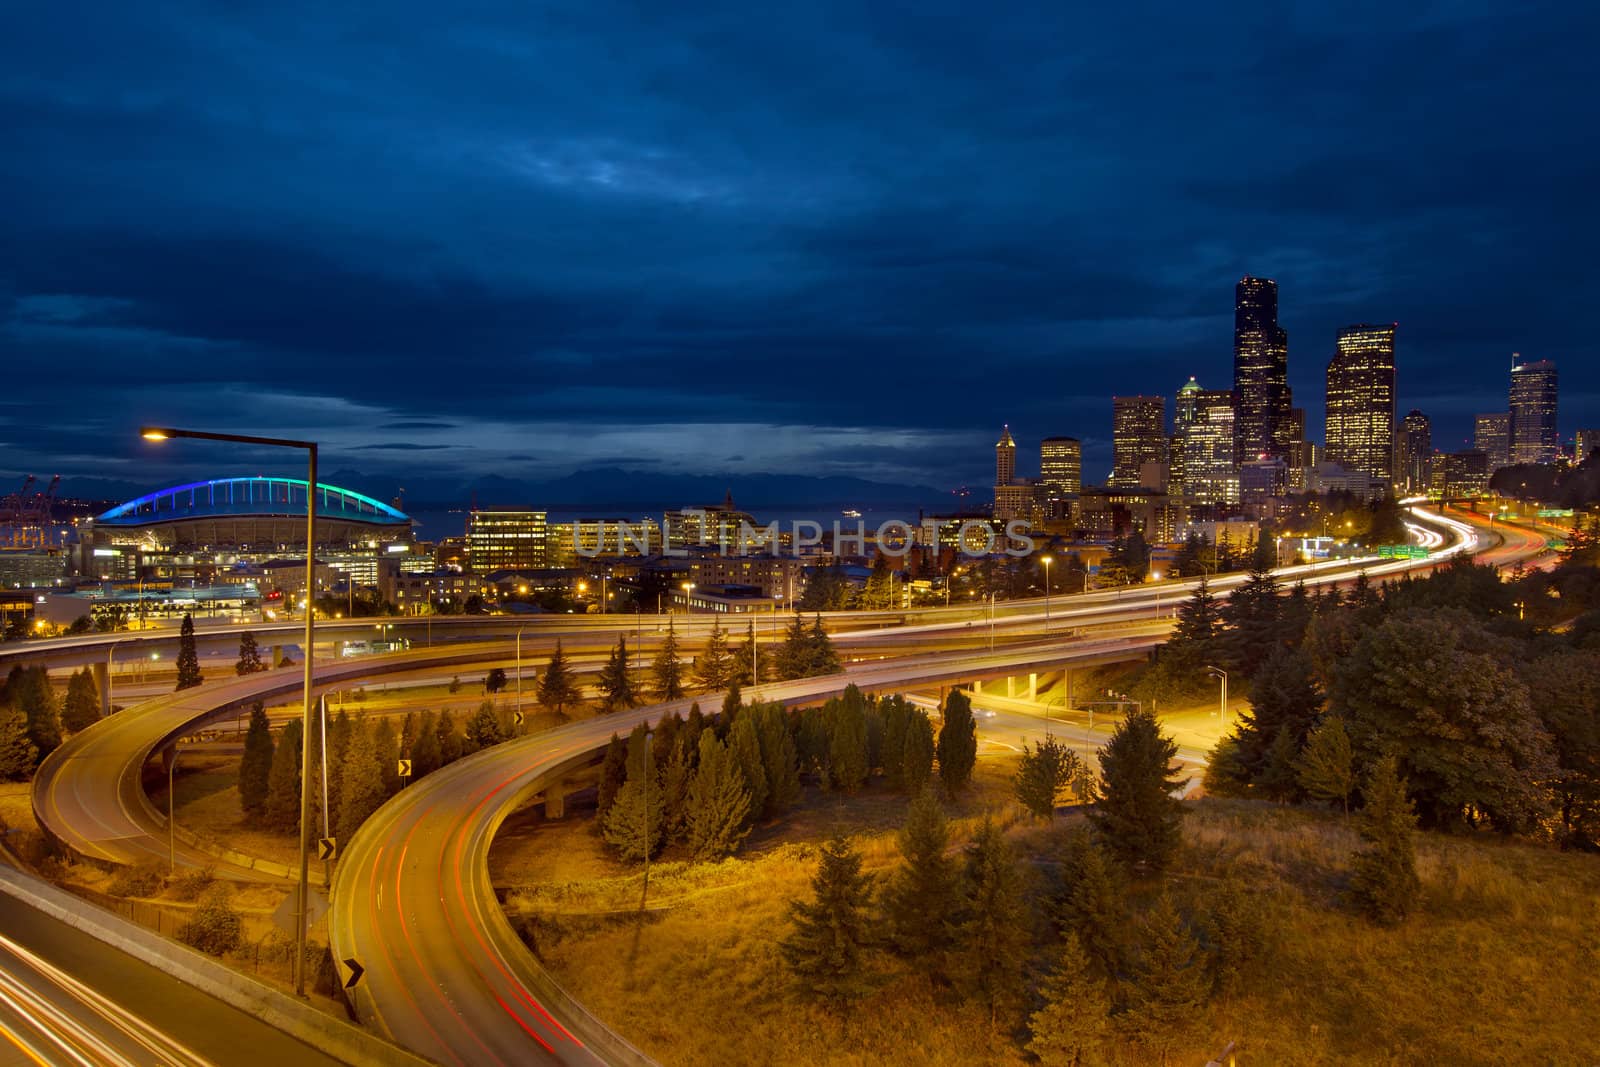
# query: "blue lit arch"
{"points": [[250, 497]]}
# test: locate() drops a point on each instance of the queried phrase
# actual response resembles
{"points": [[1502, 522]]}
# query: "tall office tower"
{"points": [[1138, 436], [1533, 412], [1203, 439], [1061, 465], [1360, 402], [507, 540], [1586, 443], [1492, 436], [1260, 371], [1005, 458], [1414, 453]]}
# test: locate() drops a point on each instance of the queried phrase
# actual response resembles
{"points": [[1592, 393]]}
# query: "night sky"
{"points": [[449, 240]]}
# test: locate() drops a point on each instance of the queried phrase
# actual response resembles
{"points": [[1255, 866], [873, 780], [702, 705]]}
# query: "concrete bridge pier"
{"points": [[102, 681], [1033, 685], [555, 799]]}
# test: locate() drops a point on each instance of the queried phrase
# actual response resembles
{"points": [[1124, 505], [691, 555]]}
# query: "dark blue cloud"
{"points": [[838, 238]]}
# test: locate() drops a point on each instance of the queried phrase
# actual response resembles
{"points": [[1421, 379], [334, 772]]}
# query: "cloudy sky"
{"points": [[811, 238]]}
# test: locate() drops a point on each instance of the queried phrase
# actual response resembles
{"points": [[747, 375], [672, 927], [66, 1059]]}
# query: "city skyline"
{"points": [[558, 281]]}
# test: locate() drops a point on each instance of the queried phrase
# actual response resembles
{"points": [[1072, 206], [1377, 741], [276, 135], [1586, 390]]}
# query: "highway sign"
{"points": [[316, 907], [327, 848], [517, 718], [356, 971], [405, 768]]}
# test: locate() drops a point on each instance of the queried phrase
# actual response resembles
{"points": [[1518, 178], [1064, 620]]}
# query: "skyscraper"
{"points": [[1260, 371], [507, 540], [1585, 445], [1061, 464], [1360, 401], [1138, 436], [1203, 441], [1414, 453], [1005, 458], [1533, 412], [1492, 436]]}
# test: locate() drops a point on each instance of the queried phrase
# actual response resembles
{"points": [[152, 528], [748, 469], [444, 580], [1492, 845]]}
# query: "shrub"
{"points": [[191, 883], [141, 880], [216, 927]]}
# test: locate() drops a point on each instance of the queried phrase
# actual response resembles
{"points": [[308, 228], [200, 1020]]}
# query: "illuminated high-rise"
{"points": [[1262, 401], [507, 540], [1203, 469], [1360, 402], [1533, 412], [1061, 465], [1005, 458], [1138, 436], [1585, 445], [1492, 436], [1414, 453]]}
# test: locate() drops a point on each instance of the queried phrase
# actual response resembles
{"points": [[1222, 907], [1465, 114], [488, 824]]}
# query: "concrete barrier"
{"points": [[278, 1010]]}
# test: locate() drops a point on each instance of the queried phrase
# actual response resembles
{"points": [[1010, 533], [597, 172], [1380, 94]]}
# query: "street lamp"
{"points": [[1047, 560], [688, 589], [1222, 714], [519, 672], [303, 891]]}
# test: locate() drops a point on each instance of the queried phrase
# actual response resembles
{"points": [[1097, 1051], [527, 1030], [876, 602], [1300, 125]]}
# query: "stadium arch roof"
{"points": [[250, 497]]}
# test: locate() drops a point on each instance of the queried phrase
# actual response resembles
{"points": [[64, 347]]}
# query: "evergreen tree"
{"points": [[811, 738], [666, 673], [793, 657], [779, 757], [1325, 770], [1384, 883], [249, 656], [386, 742], [719, 802], [713, 668], [1235, 932], [1283, 698], [450, 740], [1091, 904], [916, 752], [359, 778], [495, 680], [1042, 773], [995, 936], [748, 669], [1137, 816], [283, 782], [922, 898], [879, 591], [1194, 632], [676, 775], [29, 690], [408, 731], [613, 772], [847, 741], [483, 729], [633, 825], [188, 659], [896, 716], [424, 753], [824, 949], [744, 741], [1168, 983], [255, 768], [82, 707], [958, 742], [1280, 778], [822, 657], [1251, 617], [1070, 1030], [616, 688], [732, 704], [557, 686], [17, 752]]}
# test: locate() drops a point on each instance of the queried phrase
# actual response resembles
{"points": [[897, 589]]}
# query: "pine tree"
{"points": [[613, 772], [283, 782], [1091, 904], [666, 672], [847, 741], [1195, 631], [732, 704], [779, 757], [424, 751], [877, 595], [748, 668], [360, 780], [676, 775], [793, 657], [633, 825], [1070, 1030], [483, 729], [744, 742], [958, 742], [188, 659], [1042, 774], [386, 742], [1168, 983], [1251, 617], [824, 950], [713, 668], [557, 686], [29, 690], [616, 687], [450, 746], [896, 716], [995, 936], [1137, 816], [17, 752], [1236, 934], [249, 656], [718, 807], [82, 707], [255, 767], [821, 657], [1283, 697], [1326, 771], [916, 753], [1384, 883], [922, 898]]}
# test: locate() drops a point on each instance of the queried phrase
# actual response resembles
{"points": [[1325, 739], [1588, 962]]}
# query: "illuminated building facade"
{"points": [[507, 540], [1138, 436], [1586, 443], [1005, 458], [1414, 453], [1492, 436], [1360, 402], [1533, 412], [1203, 441], [1262, 423], [1061, 465]]}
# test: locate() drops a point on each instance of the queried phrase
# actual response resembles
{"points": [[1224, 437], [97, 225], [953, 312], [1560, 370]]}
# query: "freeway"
{"points": [[68, 998]]}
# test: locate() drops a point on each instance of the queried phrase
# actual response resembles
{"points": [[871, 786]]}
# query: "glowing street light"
{"points": [[1047, 560]]}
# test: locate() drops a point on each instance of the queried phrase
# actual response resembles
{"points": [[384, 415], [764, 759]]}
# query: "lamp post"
{"points": [[1222, 713], [1047, 560], [519, 671], [109, 653], [303, 890], [688, 591]]}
